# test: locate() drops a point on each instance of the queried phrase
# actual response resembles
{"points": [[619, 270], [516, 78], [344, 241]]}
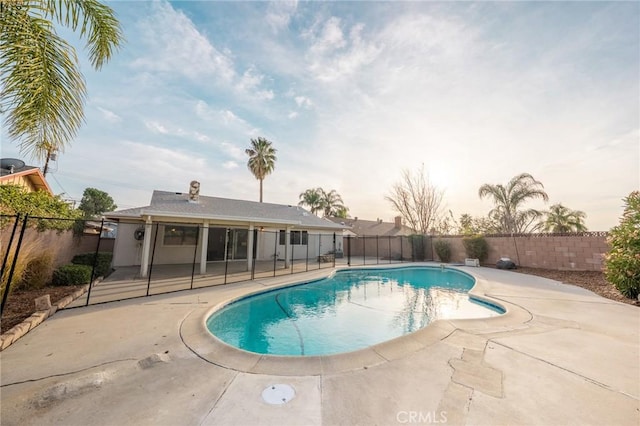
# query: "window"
{"points": [[297, 238], [180, 235]]}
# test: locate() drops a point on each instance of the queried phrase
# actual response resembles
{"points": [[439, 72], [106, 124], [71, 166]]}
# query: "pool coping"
{"points": [[196, 336]]}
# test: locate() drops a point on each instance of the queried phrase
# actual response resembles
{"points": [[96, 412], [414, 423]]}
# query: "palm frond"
{"points": [[97, 23], [43, 89]]}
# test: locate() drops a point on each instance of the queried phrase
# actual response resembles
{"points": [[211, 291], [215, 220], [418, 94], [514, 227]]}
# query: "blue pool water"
{"points": [[351, 310]]}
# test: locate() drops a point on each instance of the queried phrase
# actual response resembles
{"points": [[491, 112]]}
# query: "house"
{"points": [[15, 172], [182, 227], [367, 228]]}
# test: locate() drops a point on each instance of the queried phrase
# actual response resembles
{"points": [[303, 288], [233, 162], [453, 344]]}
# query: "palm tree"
{"points": [[562, 219], [342, 212], [331, 202], [313, 199], [262, 159], [508, 200], [43, 91]]}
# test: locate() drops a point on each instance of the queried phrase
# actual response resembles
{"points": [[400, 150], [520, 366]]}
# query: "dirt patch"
{"points": [[20, 304], [591, 280]]}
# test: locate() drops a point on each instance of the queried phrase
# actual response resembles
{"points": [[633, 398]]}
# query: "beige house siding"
{"points": [[22, 181]]}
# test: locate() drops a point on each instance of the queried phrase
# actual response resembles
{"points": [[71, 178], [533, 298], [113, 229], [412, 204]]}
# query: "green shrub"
{"points": [[622, 263], [443, 250], [476, 247], [38, 272], [72, 275], [103, 266]]}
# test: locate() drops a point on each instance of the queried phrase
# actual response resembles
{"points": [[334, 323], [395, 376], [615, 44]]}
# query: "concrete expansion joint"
{"points": [[582, 376], [470, 370], [510, 302], [215, 403], [69, 373]]}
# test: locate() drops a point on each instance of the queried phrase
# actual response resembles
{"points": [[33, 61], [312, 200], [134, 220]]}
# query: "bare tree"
{"points": [[417, 200]]}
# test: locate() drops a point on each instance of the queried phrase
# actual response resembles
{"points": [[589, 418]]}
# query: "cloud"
{"points": [[223, 117], [110, 116], [229, 165], [161, 162], [279, 14], [250, 83], [174, 45], [303, 102], [233, 151], [329, 38], [156, 127], [201, 137], [292, 114], [332, 55]]}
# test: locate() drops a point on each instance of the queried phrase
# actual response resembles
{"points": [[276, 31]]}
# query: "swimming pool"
{"points": [[350, 310]]}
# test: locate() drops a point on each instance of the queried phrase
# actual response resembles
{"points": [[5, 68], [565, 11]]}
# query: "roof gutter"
{"points": [[254, 220]]}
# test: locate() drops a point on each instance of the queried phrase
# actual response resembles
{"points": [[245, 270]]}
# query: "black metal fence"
{"points": [[164, 257]]}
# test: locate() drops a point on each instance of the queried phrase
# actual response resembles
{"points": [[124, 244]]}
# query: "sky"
{"points": [[353, 93]]}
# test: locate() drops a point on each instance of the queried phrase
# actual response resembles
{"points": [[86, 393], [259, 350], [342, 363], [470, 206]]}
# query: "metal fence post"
{"points": [[275, 254], [254, 250], [349, 250], [195, 255], [7, 288], [293, 251], [153, 253], [364, 250], [334, 249], [306, 261], [319, 248], [226, 257], [95, 261], [6, 254]]}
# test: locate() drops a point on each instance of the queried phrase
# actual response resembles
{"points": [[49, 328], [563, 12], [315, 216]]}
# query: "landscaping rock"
{"points": [[505, 263]]}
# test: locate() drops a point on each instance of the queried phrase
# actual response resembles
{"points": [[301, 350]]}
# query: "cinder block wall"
{"points": [[562, 252]]}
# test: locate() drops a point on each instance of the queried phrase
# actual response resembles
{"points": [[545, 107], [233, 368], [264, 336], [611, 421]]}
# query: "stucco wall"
{"points": [[127, 251], [62, 246], [561, 252]]}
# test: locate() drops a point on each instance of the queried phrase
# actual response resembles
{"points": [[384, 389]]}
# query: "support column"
{"points": [[146, 245], [204, 244], [287, 247], [250, 248]]}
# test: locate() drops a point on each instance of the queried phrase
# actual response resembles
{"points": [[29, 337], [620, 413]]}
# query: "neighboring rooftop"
{"points": [[16, 172], [374, 227]]}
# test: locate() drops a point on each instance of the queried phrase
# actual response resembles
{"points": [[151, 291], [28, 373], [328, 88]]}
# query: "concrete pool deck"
{"points": [[561, 355]]}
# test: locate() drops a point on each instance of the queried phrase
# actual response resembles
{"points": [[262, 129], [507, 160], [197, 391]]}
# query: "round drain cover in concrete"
{"points": [[278, 394]]}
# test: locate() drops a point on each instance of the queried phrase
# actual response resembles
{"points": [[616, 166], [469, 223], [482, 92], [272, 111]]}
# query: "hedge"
{"points": [[103, 266], [71, 275]]}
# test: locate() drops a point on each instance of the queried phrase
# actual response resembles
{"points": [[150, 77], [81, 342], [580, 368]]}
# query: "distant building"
{"points": [[15, 172], [365, 228]]}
